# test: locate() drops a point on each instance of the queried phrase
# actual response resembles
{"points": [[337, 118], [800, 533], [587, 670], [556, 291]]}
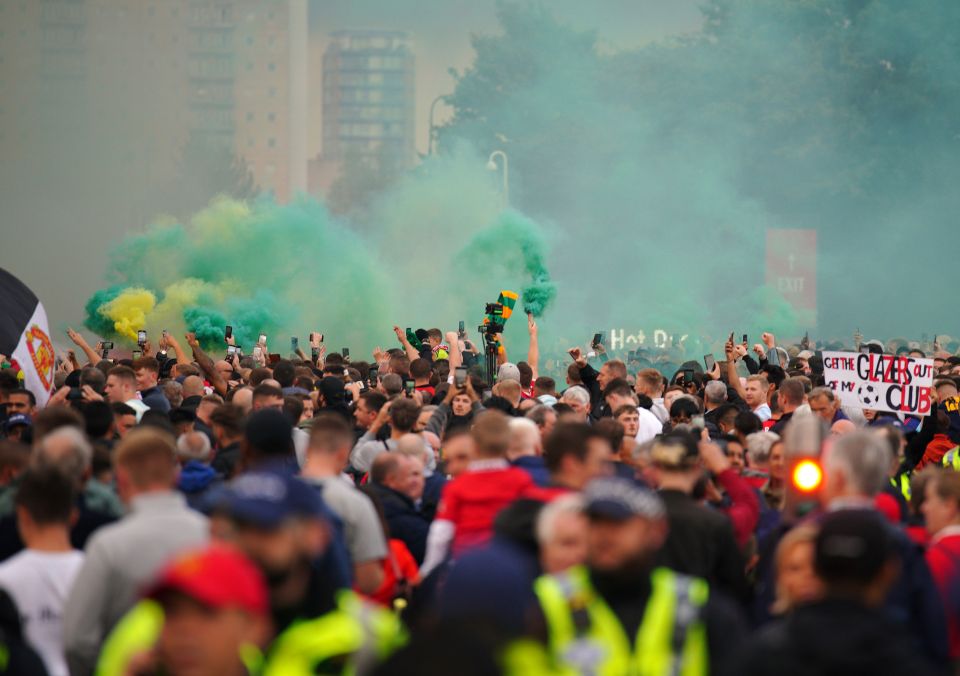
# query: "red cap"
{"points": [[218, 576]]}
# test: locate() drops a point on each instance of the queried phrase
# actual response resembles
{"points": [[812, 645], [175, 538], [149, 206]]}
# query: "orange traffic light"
{"points": [[807, 476]]}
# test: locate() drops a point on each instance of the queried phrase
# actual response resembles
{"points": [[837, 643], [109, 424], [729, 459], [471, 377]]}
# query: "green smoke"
{"points": [[290, 269], [662, 167], [95, 321], [261, 267], [514, 247]]}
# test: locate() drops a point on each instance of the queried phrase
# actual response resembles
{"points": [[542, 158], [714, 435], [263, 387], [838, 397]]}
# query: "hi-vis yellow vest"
{"points": [[951, 459], [587, 638], [356, 636]]}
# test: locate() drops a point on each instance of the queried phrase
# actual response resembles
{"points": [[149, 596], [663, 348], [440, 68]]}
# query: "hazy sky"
{"points": [[441, 29], [48, 207]]}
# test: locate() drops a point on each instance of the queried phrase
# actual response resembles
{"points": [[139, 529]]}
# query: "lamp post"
{"points": [[433, 130], [492, 166]]}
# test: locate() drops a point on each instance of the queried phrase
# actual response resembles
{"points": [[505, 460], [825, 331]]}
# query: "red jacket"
{"points": [[744, 509], [399, 561], [473, 500], [936, 449], [943, 557]]}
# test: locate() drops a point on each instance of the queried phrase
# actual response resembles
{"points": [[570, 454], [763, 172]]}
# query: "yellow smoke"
{"points": [[188, 292], [129, 311]]}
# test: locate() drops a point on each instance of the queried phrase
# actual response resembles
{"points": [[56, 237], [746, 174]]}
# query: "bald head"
{"points": [[842, 427], [524, 438], [192, 386], [193, 446], [244, 399], [67, 449], [412, 445]]}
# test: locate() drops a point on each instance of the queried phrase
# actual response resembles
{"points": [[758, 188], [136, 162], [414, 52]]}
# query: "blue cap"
{"points": [[267, 499], [17, 419], [621, 499]]}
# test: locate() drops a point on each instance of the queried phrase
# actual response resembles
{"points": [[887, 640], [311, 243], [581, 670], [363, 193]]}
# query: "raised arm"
{"points": [[80, 342], [411, 351], [733, 378], [533, 352], [172, 342], [207, 366], [455, 359]]}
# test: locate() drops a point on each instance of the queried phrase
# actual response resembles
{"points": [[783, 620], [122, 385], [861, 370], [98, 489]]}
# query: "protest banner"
{"points": [[881, 382]]}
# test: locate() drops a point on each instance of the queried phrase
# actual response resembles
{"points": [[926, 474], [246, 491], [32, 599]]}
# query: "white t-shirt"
{"points": [[763, 412], [138, 406], [39, 583], [650, 426]]}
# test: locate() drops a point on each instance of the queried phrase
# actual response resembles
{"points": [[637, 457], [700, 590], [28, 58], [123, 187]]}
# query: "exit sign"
{"points": [[792, 269]]}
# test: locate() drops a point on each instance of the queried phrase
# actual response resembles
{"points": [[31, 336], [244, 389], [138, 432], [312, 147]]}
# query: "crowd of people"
{"points": [[189, 513]]}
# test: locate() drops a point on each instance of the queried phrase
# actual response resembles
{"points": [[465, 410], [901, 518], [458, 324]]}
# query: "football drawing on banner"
{"points": [[881, 382], [25, 336]]}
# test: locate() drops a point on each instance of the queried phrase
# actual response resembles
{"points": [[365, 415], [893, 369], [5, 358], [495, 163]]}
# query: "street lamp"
{"points": [[492, 166], [433, 130]]}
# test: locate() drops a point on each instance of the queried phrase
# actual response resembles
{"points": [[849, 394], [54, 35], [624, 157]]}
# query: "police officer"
{"points": [[281, 524], [277, 521], [618, 614]]}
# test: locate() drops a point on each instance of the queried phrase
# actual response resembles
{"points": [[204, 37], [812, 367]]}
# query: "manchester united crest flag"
{"points": [[25, 336]]}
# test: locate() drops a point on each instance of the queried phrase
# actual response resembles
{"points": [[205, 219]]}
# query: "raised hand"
{"points": [[730, 351], [77, 339], [89, 394]]}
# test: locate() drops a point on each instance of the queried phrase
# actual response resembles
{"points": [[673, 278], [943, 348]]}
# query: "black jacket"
{"points": [[598, 408], [405, 521], [225, 461], [701, 543], [832, 637], [913, 602], [781, 425]]}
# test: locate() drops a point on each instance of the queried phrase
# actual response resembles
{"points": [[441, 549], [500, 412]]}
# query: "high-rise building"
{"points": [[368, 103], [142, 77]]}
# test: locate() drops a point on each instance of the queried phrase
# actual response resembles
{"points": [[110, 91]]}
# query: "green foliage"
{"points": [[669, 162]]}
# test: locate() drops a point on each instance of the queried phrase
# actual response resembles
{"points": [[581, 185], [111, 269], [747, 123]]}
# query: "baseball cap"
{"points": [[852, 545], [621, 499], [508, 371], [805, 354], [267, 499], [16, 420], [218, 576]]}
